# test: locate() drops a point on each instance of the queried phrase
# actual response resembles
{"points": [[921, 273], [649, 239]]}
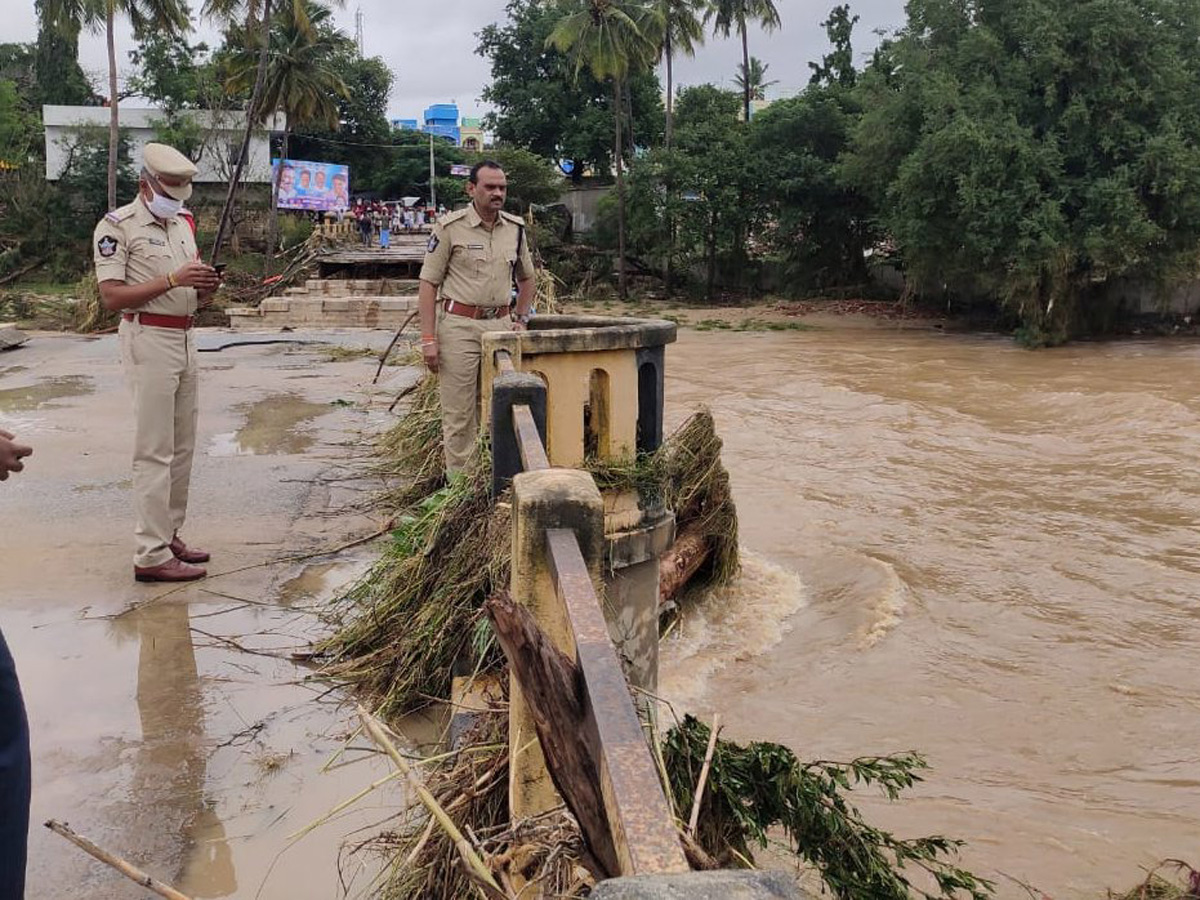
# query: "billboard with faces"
{"points": [[312, 185]]}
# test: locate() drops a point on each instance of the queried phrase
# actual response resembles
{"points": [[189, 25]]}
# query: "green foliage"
{"points": [[700, 185], [406, 171], [531, 179], [837, 66], [175, 74], [59, 77], [19, 131], [362, 123], [544, 106], [83, 187], [1033, 150], [821, 226], [759, 787], [757, 81]]}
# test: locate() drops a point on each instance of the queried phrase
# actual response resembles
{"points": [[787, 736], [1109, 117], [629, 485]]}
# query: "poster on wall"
{"points": [[312, 185]]}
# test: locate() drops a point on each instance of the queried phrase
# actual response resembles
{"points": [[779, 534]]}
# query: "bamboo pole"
{"points": [[475, 866], [127, 869], [708, 755]]}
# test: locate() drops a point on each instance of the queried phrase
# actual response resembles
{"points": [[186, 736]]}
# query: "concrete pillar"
{"points": [[552, 498], [509, 390]]}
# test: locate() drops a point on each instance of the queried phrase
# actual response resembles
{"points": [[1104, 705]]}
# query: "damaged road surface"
{"points": [[171, 725]]}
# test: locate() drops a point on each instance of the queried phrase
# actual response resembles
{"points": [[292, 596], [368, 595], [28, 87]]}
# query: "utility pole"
{"points": [[432, 175]]}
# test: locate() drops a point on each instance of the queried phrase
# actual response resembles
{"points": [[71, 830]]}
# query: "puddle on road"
{"points": [[273, 426], [44, 393]]}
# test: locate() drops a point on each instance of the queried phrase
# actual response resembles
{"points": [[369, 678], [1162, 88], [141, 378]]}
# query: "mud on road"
{"points": [[152, 733]]}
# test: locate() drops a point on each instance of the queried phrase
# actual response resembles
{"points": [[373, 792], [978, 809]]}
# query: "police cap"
{"points": [[171, 169]]}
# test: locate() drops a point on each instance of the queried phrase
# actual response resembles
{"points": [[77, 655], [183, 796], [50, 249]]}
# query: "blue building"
{"points": [[441, 119]]}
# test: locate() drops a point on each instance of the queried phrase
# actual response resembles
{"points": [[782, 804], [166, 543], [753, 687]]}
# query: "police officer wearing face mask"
{"points": [[149, 269]]}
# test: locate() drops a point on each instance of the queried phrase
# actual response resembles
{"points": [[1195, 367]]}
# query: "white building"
{"points": [[223, 132]]}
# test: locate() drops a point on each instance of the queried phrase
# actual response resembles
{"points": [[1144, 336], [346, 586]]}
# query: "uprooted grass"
{"points": [[1183, 885], [419, 610]]}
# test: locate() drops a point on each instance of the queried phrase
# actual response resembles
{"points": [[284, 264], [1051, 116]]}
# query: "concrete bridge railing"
{"points": [[570, 388]]}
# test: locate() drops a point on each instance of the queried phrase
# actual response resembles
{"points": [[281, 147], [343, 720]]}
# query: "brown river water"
{"points": [[975, 551]]}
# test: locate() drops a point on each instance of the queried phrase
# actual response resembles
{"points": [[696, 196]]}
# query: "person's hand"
{"points": [[429, 353], [518, 325], [197, 275], [11, 455]]}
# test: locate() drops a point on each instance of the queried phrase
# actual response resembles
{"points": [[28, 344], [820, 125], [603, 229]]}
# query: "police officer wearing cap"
{"points": [[149, 269], [472, 258]]}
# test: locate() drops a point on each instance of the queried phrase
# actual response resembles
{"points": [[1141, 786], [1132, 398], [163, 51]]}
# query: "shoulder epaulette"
{"points": [[512, 217], [120, 214], [453, 217]]}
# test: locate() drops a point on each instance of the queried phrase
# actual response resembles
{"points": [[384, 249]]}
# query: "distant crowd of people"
{"points": [[379, 219]]}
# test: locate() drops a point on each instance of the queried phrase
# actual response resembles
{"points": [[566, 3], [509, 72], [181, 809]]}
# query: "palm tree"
{"points": [[682, 31], [610, 38], [230, 11], [730, 15], [170, 16], [299, 82], [758, 79]]}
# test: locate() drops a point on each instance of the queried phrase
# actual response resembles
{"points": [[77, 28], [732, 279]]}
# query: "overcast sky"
{"points": [[430, 45]]}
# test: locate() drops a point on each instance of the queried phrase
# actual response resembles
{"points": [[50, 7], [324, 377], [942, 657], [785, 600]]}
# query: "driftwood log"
{"points": [[677, 566], [550, 682]]}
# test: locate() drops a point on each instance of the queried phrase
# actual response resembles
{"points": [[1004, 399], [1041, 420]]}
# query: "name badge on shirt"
{"points": [[475, 247], [156, 242]]}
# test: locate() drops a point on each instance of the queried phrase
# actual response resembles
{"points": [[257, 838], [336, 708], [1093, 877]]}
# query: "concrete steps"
{"points": [[324, 312]]}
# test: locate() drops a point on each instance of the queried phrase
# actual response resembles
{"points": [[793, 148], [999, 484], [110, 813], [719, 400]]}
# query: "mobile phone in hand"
{"points": [[220, 268]]}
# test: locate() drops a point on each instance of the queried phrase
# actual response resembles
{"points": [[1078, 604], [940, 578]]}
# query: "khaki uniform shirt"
{"points": [[132, 246], [474, 265]]}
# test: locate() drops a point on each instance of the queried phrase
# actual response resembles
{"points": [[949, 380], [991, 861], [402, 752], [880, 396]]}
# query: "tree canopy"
{"points": [[1033, 150], [542, 105]]}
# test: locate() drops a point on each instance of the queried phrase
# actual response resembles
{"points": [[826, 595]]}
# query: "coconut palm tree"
{"points": [[728, 16], [683, 31], [300, 80], [170, 16], [611, 38], [231, 12], [758, 79]]}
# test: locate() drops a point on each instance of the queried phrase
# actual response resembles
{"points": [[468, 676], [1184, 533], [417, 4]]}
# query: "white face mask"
{"points": [[163, 207]]}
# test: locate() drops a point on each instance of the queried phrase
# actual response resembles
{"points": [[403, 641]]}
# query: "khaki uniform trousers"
{"points": [[162, 371], [460, 350]]}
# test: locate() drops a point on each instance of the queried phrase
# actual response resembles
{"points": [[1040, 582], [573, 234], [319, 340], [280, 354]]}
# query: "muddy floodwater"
{"points": [[952, 545], [982, 553]]}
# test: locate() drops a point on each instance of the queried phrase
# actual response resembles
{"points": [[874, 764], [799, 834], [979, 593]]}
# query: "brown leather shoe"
{"points": [[188, 554], [175, 570]]}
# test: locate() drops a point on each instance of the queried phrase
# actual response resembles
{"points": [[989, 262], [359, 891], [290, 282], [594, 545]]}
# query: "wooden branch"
{"points": [[478, 871], [680, 563], [392, 345], [550, 685], [13, 276], [708, 755], [127, 869]]}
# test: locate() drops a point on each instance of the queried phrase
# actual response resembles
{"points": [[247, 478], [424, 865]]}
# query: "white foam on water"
{"points": [[888, 610], [736, 622]]}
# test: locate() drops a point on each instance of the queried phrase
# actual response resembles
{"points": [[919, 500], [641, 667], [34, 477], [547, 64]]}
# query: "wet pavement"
{"points": [[170, 725]]}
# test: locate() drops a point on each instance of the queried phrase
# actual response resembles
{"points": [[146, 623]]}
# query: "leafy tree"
{"points": [[610, 38], [175, 74], [544, 104], [59, 78], [19, 129], [756, 82], [362, 122], [300, 80], [837, 66], [728, 16], [169, 16], [682, 32], [1033, 150], [407, 171]]}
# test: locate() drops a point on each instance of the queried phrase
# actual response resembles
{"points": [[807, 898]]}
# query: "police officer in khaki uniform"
{"points": [[466, 283], [148, 268]]}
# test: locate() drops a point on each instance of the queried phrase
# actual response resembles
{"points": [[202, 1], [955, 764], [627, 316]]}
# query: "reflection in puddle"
{"points": [[43, 393], [309, 585], [271, 427]]}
